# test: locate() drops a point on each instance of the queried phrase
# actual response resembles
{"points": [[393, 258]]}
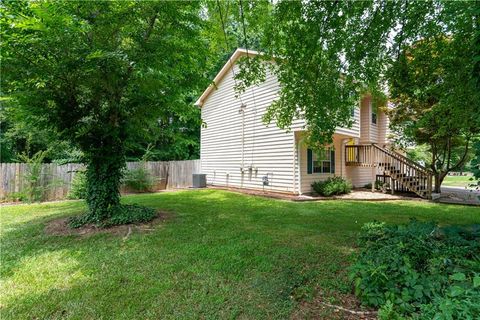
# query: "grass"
{"points": [[222, 255], [457, 181]]}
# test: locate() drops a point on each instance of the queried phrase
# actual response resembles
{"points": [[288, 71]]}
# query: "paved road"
{"points": [[460, 195]]}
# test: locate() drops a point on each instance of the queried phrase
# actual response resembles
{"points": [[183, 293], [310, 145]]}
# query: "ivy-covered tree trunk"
{"points": [[91, 71], [104, 174]]}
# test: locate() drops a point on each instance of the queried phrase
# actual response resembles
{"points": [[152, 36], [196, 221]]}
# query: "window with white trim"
{"points": [[321, 161]]}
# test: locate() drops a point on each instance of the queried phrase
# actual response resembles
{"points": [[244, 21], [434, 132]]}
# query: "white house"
{"points": [[239, 150]]}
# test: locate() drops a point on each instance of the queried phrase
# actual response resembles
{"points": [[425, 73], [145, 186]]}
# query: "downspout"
{"points": [[294, 161], [299, 162], [242, 111]]}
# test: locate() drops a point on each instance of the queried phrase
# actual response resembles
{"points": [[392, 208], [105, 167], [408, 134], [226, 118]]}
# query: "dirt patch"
{"points": [[335, 307], [59, 227]]}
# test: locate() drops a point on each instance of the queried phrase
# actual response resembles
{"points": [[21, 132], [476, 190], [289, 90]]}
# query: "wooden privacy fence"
{"points": [[56, 180]]}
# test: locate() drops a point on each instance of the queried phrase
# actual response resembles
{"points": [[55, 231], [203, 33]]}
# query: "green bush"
{"points": [[419, 270], [78, 189], [139, 179], [332, 186], [460, 300], [123, 214], [33, 190]]}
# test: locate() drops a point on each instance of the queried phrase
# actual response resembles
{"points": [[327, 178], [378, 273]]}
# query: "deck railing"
{"points": [[412, 175]]}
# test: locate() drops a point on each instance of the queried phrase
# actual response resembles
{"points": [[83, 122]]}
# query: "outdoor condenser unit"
{"points": [[199, 180]]}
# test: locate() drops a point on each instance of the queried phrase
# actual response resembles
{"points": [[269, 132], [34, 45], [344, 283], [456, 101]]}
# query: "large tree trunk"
{"points": [[439, 176], [104, 175]]}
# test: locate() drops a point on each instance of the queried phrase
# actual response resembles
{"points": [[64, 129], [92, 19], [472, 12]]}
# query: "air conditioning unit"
{"points": [[199, 180]]}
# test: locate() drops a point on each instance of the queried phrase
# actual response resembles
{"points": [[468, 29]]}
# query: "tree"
{"points": [[329, 53], [436, 102], [476, 74], [19, 137], [475, 164], [171, 137], [96, 72]]}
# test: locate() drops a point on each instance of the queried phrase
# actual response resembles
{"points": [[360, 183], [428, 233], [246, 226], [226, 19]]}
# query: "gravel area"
{"points": [[356, 194], [458, 195]]}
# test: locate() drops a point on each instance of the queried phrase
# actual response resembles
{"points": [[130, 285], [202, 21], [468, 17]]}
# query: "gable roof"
{"points": [[240, 52]]}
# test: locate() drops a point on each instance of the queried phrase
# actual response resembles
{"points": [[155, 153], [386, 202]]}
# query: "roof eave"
{"points": [[228, 65]]}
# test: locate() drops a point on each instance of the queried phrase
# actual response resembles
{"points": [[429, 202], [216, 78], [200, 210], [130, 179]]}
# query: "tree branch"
{"points": [[151, 24], [462, 160]]}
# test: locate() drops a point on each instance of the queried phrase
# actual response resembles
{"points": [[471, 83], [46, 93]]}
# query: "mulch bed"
{"points": [[60, 227], [356, 195]]}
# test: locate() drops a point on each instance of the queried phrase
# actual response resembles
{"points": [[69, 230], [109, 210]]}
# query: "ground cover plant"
{"points": [[420, 270], [218, 255]]}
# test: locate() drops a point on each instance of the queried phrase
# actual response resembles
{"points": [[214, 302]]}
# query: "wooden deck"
{"points": [[401, 171]]}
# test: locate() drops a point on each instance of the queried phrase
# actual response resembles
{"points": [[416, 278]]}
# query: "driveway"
{"points": [[459, 195]]}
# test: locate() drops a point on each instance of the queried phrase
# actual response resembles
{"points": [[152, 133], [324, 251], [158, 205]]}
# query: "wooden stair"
{"points": [[411, 175]]}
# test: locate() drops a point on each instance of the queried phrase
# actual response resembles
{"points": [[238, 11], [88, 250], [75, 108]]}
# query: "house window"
{"points": [[322, 161], [353, 113], [374, 115]]}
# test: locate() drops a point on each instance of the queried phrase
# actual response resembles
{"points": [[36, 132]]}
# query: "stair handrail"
{"points": [[424, 172], [401, 157]]}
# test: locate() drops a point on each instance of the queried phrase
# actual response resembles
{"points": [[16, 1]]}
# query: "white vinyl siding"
{"points": [[354, 131], [231, 140], [383, 128], [268, 150], [370, 132], [308, 178], [359, 176]]}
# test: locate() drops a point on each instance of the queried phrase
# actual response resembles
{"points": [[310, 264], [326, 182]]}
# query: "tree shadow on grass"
{"points": [[239, 253], [213, 210]]}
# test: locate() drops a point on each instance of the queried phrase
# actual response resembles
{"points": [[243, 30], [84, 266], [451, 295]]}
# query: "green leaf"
{"points": [[456, 291], [95, 55], [476, 281], [458, 277]]}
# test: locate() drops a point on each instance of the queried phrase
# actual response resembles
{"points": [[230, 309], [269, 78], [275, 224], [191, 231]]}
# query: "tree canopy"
{"points": [[436, 101], [329, 53]]}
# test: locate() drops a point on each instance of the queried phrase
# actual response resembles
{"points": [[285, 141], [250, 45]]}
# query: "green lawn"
{"points": [[457, 181], [221, 255]]}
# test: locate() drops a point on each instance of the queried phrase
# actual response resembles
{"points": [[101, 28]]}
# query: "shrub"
{"points": [[78, 188], [123, 214], [139, 179], [332, 186], [460, 300], [368, 185], [419, 269], [33, 190]]}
